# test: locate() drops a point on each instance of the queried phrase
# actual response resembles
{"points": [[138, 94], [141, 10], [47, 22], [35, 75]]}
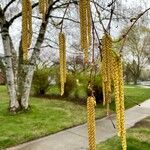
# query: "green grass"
{"points": [[45, 117], [134, 95], [138, 138], [50, 116]]}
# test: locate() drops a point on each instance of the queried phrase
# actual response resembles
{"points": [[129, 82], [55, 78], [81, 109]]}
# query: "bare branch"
{"points": [[136, 19], [64, 16], [112, 3], [6, 7], [99, 16], [19, 15], [41, 34], [111, 14]]}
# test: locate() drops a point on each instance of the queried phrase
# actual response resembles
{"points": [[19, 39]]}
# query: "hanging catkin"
{"points": [[106, 68], [89, 22], [119, 98], [62, 53], [83, 28], [116, 92], [26, 27], [91, 103], [122, 109], [43, 7], [112, 69], [64, 59]]}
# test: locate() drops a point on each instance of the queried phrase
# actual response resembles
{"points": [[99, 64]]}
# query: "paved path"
{"points": [[76, 138]]}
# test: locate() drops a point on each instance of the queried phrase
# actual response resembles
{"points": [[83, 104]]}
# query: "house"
{"points": [[2, 75]]}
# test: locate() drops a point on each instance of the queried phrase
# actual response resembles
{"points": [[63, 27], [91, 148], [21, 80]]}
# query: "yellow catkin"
{"points": [[62, 53], [122, 109], [64, 58], [116, 92], [26, 27], [119, 99], [89, 22], [83, 28], [91, 103], [106, 68], [30, 22], [43, 7]]}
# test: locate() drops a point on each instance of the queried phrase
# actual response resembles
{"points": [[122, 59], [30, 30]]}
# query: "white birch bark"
{"points": [[9, 69], [14, 62], [29, 70], [8, 62], [11, 73]]}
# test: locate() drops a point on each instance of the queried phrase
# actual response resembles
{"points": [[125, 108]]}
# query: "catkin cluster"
{"points": [[112, 71], [26, 27], [119, 98], [106, 68], [62, 53], [85, 26], [43, 6], [91, 103]]}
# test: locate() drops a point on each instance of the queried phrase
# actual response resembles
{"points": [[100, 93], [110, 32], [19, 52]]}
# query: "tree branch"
{"points": [[136, 19], [64, 16], [41, 34], [6, 7], [111, 15], [19, 15], [99, 16]]}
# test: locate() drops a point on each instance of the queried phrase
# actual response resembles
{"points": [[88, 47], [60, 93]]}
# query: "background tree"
{"points": [[136, 49]]}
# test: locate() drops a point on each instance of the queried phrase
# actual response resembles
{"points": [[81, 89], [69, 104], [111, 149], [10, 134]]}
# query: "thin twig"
{"points": [[19, 15], [93, 46], [126, 98], [96, 34], [62, 21], [112, 122], [111, 15], [112, 3], [136, 19], [99, 16], [122, 45]]}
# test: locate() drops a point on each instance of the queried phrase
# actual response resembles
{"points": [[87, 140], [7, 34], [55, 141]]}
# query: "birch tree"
{"points": [[19, 73]]}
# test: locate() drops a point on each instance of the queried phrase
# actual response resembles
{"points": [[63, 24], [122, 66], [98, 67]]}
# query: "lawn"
{"points": [[45, 117], [138, 138], [50, 116], [134, 95]]}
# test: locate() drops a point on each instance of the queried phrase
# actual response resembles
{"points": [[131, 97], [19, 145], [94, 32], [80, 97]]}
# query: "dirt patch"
{"points": [[145, 123]]}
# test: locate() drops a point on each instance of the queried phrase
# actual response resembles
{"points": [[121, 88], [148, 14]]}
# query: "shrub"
{"points": [[82, 83], [41, 82], [97, 87], [70, 85]]}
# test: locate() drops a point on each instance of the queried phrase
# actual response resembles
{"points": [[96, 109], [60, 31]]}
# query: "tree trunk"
{"points": [[19, 76], [135, 80], [29, 71], [9, 69]]}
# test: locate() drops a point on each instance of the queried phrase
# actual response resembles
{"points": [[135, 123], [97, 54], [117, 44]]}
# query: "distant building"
{"points": [[2, 75]]}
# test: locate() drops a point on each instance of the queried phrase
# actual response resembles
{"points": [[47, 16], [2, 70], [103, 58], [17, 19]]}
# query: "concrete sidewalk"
{"points": [[76, 138]]}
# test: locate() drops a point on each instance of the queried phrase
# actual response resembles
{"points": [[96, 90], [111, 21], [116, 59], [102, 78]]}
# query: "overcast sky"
{"points": [[16, 27]]}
